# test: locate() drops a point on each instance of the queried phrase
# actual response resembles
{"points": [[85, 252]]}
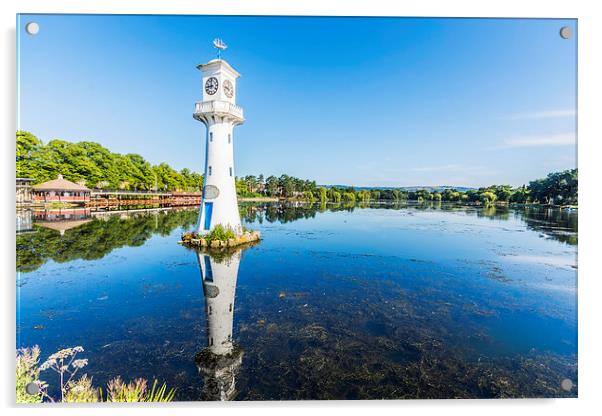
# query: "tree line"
{"points": [[94, 166], [284, 186], [557, 188]]}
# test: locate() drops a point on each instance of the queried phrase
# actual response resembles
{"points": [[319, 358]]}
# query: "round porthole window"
{"points": [[211, 192], [211, 291]]}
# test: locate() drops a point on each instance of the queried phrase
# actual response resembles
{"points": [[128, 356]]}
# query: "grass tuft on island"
{"points": [[220, 238]]}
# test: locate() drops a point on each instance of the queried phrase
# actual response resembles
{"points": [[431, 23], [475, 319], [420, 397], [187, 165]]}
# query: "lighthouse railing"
{"points": [[218, 107]]}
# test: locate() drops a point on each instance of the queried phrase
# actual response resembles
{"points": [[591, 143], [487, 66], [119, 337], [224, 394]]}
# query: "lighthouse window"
{"points": [[229, 138], [210, 137], [230, 171], [209, 170], [210, 310], [211, 342], [230, 307]]}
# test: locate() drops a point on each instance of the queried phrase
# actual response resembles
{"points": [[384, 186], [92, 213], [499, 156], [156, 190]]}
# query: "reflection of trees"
{"points": [[99, 237], [494, 212], [284, 212], [96, 238], [555, 223], [281, 212]]}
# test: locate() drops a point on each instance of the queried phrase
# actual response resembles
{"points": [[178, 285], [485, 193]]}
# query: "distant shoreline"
{"points": [[259, 199], [411, 201]]}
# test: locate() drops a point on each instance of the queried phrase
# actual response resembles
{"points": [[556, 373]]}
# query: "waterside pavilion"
{"points": [[60, 190]]}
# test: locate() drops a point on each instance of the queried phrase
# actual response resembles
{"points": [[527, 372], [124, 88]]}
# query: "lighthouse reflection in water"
{"points": [[220, 361]]}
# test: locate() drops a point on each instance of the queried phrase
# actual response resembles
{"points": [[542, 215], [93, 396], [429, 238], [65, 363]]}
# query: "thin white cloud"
{"points": [[538, 115], [565, 139], [450, 168], [438, 168]]}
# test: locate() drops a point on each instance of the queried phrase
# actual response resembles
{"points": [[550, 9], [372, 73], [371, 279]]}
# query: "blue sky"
{"points": [[361, 101]]}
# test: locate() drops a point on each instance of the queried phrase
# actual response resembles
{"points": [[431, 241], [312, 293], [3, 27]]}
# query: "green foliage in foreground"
{"points": [[137, 391], [79, 390], [27, 372]]}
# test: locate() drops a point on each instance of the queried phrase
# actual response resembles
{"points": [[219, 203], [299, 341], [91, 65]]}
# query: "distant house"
{"points": [[24, 191], [60, 190]]}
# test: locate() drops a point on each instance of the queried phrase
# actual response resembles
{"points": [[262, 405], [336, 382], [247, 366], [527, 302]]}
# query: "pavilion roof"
{"points": [[60, 184], [62, 225]]}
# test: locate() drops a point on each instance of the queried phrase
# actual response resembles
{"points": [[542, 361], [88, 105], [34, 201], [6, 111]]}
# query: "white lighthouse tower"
{"points": [[220, 114]]}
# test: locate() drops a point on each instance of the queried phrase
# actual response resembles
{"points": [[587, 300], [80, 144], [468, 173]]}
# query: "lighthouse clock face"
{"points": [[211, 86], [228, 88]]}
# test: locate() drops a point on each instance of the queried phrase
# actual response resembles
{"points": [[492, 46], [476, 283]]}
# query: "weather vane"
{"points": [[220, 46]]}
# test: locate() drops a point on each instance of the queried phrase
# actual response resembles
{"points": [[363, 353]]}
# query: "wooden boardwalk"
{"points": [[106, 199]]}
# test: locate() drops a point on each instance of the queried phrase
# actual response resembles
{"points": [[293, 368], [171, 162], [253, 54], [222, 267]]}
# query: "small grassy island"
{"points": [[220, 238]]}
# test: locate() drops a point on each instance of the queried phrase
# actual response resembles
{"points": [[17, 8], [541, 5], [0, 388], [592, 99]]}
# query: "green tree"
{"points": [[323, 195], [287, 185], [520, 195], [95, 166], [271, 184], [251, 182], [261, 183], [336, 197], [362, 196], [557, 187], [349, 197], [487, 197]]}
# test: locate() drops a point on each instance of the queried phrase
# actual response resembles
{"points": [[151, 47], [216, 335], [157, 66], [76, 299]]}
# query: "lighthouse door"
{"points": [[208, 211]]}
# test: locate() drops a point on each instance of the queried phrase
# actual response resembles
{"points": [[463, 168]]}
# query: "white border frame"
{"points": [[589, 70]]}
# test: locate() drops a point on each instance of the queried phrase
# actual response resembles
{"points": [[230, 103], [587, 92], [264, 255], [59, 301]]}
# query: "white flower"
{"points": [[47, 364], [80, 363]]}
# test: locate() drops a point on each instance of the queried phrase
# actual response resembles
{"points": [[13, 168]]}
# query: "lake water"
{"points": [[407, 301]]}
